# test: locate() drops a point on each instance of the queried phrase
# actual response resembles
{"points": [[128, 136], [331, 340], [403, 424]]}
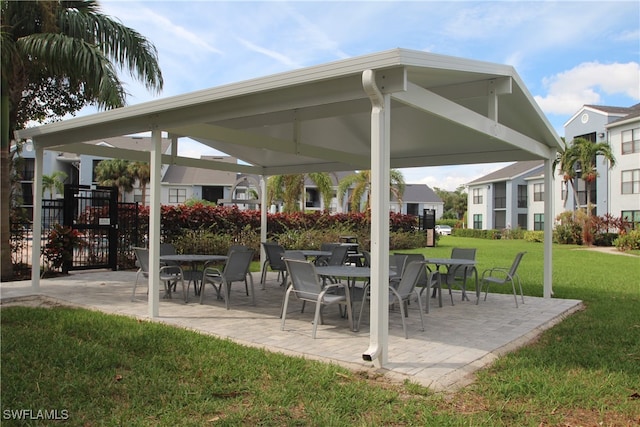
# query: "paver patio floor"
{"points": [[457, 341]]}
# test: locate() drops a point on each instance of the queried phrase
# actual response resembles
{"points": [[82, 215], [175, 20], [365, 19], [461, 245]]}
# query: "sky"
{"points": [[568, 53]]}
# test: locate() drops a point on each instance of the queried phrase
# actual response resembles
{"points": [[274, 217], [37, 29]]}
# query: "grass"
{"points": [[112, 370]]}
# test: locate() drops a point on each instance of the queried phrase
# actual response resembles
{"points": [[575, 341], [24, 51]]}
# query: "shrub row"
{"points": [[200, 228]]}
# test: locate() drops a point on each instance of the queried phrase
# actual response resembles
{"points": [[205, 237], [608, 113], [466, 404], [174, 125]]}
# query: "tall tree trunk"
{"points": [[6, 265]]}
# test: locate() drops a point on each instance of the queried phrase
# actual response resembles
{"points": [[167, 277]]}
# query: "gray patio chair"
{"points": [[236, 269], [397, 264], [306, 286], [274, 253], [324, 259], [502, 276], [170, 275], [458, 274], [428, 280], [402, 294], [338, 257]]}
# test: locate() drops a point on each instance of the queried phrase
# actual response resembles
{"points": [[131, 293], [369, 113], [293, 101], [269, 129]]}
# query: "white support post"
{"points": [[548, 227], [263, 219], [36, 236], [155, 165], [380, 172]]}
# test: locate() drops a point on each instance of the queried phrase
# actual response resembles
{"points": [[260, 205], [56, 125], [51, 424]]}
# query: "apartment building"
{"points": [[513, 196]]}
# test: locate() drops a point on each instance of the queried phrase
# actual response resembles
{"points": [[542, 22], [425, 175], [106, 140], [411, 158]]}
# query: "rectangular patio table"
{"points": [[467, 263], [193, 260], [309, 253]]}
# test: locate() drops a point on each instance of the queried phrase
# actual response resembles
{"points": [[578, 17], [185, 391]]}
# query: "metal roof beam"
{"points": [[432, 103]]}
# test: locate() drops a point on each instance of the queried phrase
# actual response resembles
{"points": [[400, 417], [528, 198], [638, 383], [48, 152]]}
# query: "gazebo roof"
{"points": [[392, 109], [444, 110]]}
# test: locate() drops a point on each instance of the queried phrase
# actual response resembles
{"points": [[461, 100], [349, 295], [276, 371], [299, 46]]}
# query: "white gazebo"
{"points": [[394, 109]]}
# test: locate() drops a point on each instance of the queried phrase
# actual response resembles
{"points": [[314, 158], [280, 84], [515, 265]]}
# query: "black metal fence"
{"points": [[128, 236]]}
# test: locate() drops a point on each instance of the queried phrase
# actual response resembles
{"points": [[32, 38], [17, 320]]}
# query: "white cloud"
{"points": [[285, 60], [586, 83], [449, 178]]}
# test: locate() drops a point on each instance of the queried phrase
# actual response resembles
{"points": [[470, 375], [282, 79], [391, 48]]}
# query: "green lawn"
{"points": [[111, 370]]}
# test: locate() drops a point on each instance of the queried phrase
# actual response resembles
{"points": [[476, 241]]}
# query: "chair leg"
{"points": [[253, 292], [285, 303], [135, 285], [264, 274], [402, 314], [349, 307], [420, 310], [227, 289], [316, 319], [364, 301], [185, 290], [520, 286], [202, 291]]}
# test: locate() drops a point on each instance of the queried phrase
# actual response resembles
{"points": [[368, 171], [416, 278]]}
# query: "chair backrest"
{"points": [[367, 258], [409, 280], [397, 262], [422, 280], [237, 265], [167, 249], [237, 248], [142, 256], [274, 253], [462, 253], [304, 279], [516, 263], [338, 255], [328, 246]]}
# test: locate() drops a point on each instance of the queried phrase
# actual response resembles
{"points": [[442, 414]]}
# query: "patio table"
{"points": [[193, 260], [309, 253], [467, 263]]}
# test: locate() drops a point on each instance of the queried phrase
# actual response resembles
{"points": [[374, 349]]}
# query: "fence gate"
{"points": [[93, 212]]}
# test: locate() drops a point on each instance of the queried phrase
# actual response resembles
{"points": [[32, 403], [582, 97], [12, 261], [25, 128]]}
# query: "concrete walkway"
{"points": [[457, 341]]}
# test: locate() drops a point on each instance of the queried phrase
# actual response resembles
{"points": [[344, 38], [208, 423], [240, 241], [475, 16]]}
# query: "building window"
{"points": [[631, 141], [500, 195], [477, 196], [522, 196], [93, 170], [28, 169], [632, 217], [538, 221], [27, 193], [564, 190], [177, 195], [631, 181], [538, 192], [477, 221], [522, 221]]}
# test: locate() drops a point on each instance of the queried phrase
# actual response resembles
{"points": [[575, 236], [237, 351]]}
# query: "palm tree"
{"points": [[581, 156], [115, 173], [361, 183], [290, 189], [53, 183], [56, 58], [142, 172]]}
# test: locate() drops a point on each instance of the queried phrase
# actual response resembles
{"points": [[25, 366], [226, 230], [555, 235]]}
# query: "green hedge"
{"points": [[203, 228]]}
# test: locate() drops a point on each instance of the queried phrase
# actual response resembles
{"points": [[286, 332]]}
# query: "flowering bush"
{"points": [[60, 245], [628, 241]]}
